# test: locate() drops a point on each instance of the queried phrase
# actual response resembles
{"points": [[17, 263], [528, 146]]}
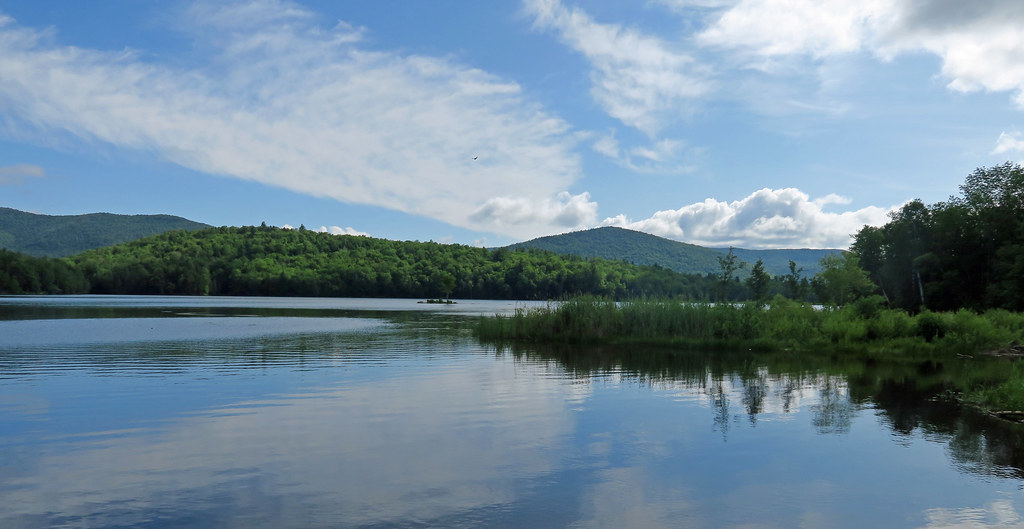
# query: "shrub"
{"points": [[839, 327], [931, 325], [868, 306], [890, 324]]}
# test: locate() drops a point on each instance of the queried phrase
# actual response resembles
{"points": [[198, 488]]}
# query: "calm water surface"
{"points": [[279, 413]]}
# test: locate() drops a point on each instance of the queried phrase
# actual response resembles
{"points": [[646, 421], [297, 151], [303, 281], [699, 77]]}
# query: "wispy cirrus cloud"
{"points": [[280, 100], [641, 80], [768, 218], [662, 156]]}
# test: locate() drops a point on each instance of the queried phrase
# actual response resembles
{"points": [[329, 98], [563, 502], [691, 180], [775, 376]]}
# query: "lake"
{"points": [[160, 412]]}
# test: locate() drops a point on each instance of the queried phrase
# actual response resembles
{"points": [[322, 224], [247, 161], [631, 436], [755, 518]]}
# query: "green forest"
{"points": [[271, 261]]}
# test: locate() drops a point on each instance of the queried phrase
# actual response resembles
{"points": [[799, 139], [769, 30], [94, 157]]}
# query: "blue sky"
{"points": [[754, 123]]}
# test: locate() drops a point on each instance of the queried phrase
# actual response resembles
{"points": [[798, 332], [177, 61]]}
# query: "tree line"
{"points": [[965, 252], [272, 261]]}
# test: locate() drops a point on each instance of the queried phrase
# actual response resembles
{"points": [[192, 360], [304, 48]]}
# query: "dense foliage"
{"points": [[965, 252], [23, 274], [64, 235], [278, 262], [272, 261]]}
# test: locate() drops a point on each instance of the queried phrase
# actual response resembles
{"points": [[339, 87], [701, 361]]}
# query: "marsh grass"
{"points": [[781, 324], [1006, 395]]}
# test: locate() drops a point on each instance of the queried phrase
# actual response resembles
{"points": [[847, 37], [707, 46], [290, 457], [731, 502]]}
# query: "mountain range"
{"points": [[646, 249], [64, 235]]}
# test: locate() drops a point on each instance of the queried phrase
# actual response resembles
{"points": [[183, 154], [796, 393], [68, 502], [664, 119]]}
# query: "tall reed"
{"points": [[781, 324]]}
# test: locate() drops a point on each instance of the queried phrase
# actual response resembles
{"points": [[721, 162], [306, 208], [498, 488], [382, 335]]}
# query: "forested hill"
{"points": [[273, 261], [633, 246], [63, 235], [646, 249]]}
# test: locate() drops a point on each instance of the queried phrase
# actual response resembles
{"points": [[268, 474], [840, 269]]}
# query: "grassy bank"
{"points": [[779, 325]]}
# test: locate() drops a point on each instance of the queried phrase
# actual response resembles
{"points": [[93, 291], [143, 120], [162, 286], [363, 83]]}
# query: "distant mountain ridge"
{"points": [[646, 249], [64, 235], [776, 262], [628, 245]]}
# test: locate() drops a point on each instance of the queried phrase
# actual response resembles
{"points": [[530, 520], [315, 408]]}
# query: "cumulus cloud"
{"points": [[279, 100], [565, 211], [16, 174], [979, 42], [768, 218], [642, 81], [347, 230]]}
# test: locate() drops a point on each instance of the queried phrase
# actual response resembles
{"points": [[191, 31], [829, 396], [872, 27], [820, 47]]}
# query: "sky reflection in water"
{"points": [[385, 422]]}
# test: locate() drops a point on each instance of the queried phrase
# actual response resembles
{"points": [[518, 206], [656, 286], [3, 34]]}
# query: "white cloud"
{"points": [[608, 145], [1009, 142], [768, 218], [681, 5], [662, 156], [16, 174], [640, 80], [980, 43], [781, 27], [337, 230], [519, 214], [281, 101]]}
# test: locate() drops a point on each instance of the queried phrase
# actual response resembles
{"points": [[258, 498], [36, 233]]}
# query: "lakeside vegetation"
{"points": [[781, 324]]}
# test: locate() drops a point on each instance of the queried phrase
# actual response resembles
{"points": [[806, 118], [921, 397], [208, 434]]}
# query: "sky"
{"points": [[747, 123]]}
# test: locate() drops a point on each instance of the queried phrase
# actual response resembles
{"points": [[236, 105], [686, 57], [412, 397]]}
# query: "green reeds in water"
{"points": [[1006, 395], [780, 324]]}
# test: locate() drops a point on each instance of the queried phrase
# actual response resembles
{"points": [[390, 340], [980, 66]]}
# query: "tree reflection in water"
{"points": [[909, 395]]}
